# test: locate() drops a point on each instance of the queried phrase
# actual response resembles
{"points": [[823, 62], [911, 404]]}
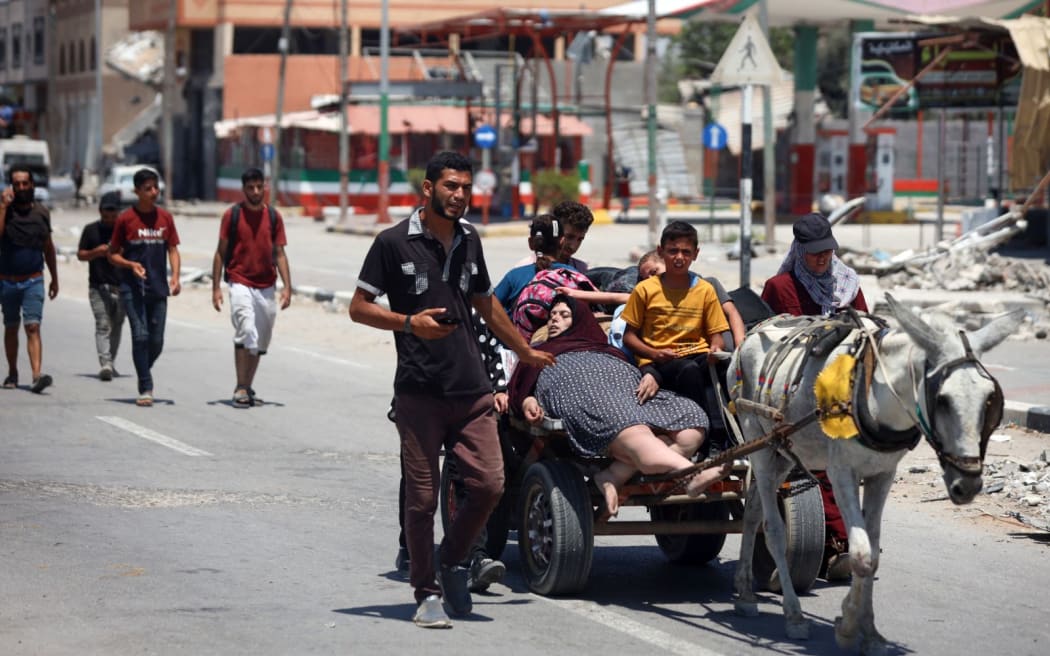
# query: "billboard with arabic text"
{"points": [[980, 76]]}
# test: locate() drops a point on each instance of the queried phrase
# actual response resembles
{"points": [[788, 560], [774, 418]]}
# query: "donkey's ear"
{"points": [[925, 336], [998, 329]]}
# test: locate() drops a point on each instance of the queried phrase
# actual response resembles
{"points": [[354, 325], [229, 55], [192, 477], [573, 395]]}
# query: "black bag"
{"points": [[751, 307]]}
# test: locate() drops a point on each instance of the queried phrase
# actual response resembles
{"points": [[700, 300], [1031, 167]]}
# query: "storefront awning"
{"points": [[426, 119]]}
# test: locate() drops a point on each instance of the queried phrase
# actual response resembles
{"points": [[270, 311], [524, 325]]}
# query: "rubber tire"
{"points": [[498, 525], [697, 549], [556, 528], [803, 515]]}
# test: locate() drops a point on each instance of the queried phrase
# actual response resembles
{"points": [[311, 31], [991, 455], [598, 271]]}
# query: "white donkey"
{"points": [[924, 380]]}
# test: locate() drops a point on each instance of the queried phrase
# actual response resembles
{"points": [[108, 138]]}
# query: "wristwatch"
{"points": [[408, 324]]}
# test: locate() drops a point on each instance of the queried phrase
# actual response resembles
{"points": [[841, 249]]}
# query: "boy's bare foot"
{"points": [[609, 493], [705, 478]]}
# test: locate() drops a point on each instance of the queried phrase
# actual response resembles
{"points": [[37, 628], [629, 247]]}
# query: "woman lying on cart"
{"points": [[593, 389]]}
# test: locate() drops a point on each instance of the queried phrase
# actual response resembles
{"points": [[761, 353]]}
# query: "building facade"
{"points": [[23, 65], [77, 58], [211, 32]]}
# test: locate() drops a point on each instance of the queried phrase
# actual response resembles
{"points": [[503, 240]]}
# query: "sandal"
{"points": [[241, 398], [11, 382], [145, 400], [256, 400], [41, 383]]}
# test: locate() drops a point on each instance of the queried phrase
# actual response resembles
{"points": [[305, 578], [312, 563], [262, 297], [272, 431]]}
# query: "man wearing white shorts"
{"points": [[251, 250]]}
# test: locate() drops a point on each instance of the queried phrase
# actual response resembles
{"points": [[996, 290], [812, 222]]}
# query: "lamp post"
{"points": [[168, 98], [384, 106], [650, 99], [344, 137]]}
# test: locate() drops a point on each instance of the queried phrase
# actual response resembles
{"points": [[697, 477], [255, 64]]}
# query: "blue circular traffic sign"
{"points": [[266, 152], [715, 137], [485, 136]]}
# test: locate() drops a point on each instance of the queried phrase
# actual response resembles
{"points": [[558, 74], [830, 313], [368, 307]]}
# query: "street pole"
{"points": [[100, 138], [769, 188], [168, 99], [384, 106], [650, 99], [282, 45], [344, 137], [938, 232], [745, 186]]}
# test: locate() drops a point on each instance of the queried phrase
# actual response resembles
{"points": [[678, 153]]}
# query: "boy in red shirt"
{"points": [[143, 237]]}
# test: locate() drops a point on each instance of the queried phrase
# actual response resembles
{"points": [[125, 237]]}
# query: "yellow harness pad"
{"points": [[834, 392]]}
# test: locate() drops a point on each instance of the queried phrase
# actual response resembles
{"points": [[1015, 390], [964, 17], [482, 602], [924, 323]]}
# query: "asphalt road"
{"points": [[197, 528]]}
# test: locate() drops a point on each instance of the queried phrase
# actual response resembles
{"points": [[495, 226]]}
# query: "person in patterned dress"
{"points": [[594, 390]]}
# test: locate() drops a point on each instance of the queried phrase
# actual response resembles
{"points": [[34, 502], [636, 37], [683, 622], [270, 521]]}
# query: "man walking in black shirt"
{"points": [[103, 283], [432, 268]]}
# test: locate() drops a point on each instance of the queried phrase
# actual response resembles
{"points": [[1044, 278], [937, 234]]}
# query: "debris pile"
{"points": [[1022, 489], [971, 270]]}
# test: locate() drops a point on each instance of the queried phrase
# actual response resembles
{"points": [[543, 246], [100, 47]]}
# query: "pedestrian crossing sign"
{"points": [[748, 59]]}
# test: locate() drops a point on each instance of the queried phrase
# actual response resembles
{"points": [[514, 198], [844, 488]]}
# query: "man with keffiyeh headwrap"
{"points": [[813, 280]]}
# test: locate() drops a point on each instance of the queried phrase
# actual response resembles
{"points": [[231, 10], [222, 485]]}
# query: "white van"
{"points": [[34, 155]]}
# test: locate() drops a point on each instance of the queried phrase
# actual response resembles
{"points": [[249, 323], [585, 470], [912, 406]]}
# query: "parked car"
{"points": [[120, 179], [33, 154]]}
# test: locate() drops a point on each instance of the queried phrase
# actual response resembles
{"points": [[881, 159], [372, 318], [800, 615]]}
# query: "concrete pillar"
{"points": [[355, 40], [211, 108], [803, 150], [856, 185]]}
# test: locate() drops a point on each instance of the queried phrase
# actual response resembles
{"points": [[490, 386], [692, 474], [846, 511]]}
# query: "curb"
{"points": [[1027, 415]]}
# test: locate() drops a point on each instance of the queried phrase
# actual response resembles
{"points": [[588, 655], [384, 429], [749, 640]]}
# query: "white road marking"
{"points": [[154, 436], [320, 356], [623, 624], [1000, 367]]}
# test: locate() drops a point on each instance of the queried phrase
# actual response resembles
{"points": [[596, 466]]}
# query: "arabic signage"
{"points": [[982, 76]]}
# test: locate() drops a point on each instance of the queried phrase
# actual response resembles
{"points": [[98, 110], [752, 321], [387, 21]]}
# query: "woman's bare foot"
{"points": [[609, 492], [705, 477]]}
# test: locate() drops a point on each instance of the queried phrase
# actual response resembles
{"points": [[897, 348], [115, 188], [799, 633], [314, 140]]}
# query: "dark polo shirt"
{"points": [[411, 267]]}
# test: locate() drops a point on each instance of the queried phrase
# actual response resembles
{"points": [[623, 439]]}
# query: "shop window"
{"points": [[81, 60], [62, 59], [3, 48]]}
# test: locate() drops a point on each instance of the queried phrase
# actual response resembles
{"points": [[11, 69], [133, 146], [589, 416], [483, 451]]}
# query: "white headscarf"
{"points": [[834, 290]]}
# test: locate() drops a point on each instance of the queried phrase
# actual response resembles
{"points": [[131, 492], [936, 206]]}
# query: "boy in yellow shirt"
{"points": [[674, 320]]}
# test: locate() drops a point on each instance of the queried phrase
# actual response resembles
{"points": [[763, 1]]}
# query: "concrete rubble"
{"points": [[1021, 488], [967, 264]]}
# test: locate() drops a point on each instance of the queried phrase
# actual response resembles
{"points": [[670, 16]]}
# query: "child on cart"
{"points": [[675, 321]]}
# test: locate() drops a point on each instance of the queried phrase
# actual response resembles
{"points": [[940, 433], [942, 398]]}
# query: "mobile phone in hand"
{"points": [[448, 319]]}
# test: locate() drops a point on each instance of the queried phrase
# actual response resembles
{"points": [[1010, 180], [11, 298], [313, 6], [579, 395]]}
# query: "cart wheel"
{"points": [[697, 549], [451, 493], [556, 533], [803, 515]]}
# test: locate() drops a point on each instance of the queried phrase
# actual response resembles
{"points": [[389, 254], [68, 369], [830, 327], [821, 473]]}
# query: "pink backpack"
{"points": [[533, 306]]}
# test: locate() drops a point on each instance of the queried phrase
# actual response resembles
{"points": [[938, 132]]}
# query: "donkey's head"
{"points": [[958, 402]]}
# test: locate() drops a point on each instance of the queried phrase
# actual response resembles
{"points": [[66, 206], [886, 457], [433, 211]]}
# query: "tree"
{"points": [[698, 47], [701, 44]]}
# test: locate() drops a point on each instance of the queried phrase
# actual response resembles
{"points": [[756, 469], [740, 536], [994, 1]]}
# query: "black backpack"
{"points": [[235, 215]]}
